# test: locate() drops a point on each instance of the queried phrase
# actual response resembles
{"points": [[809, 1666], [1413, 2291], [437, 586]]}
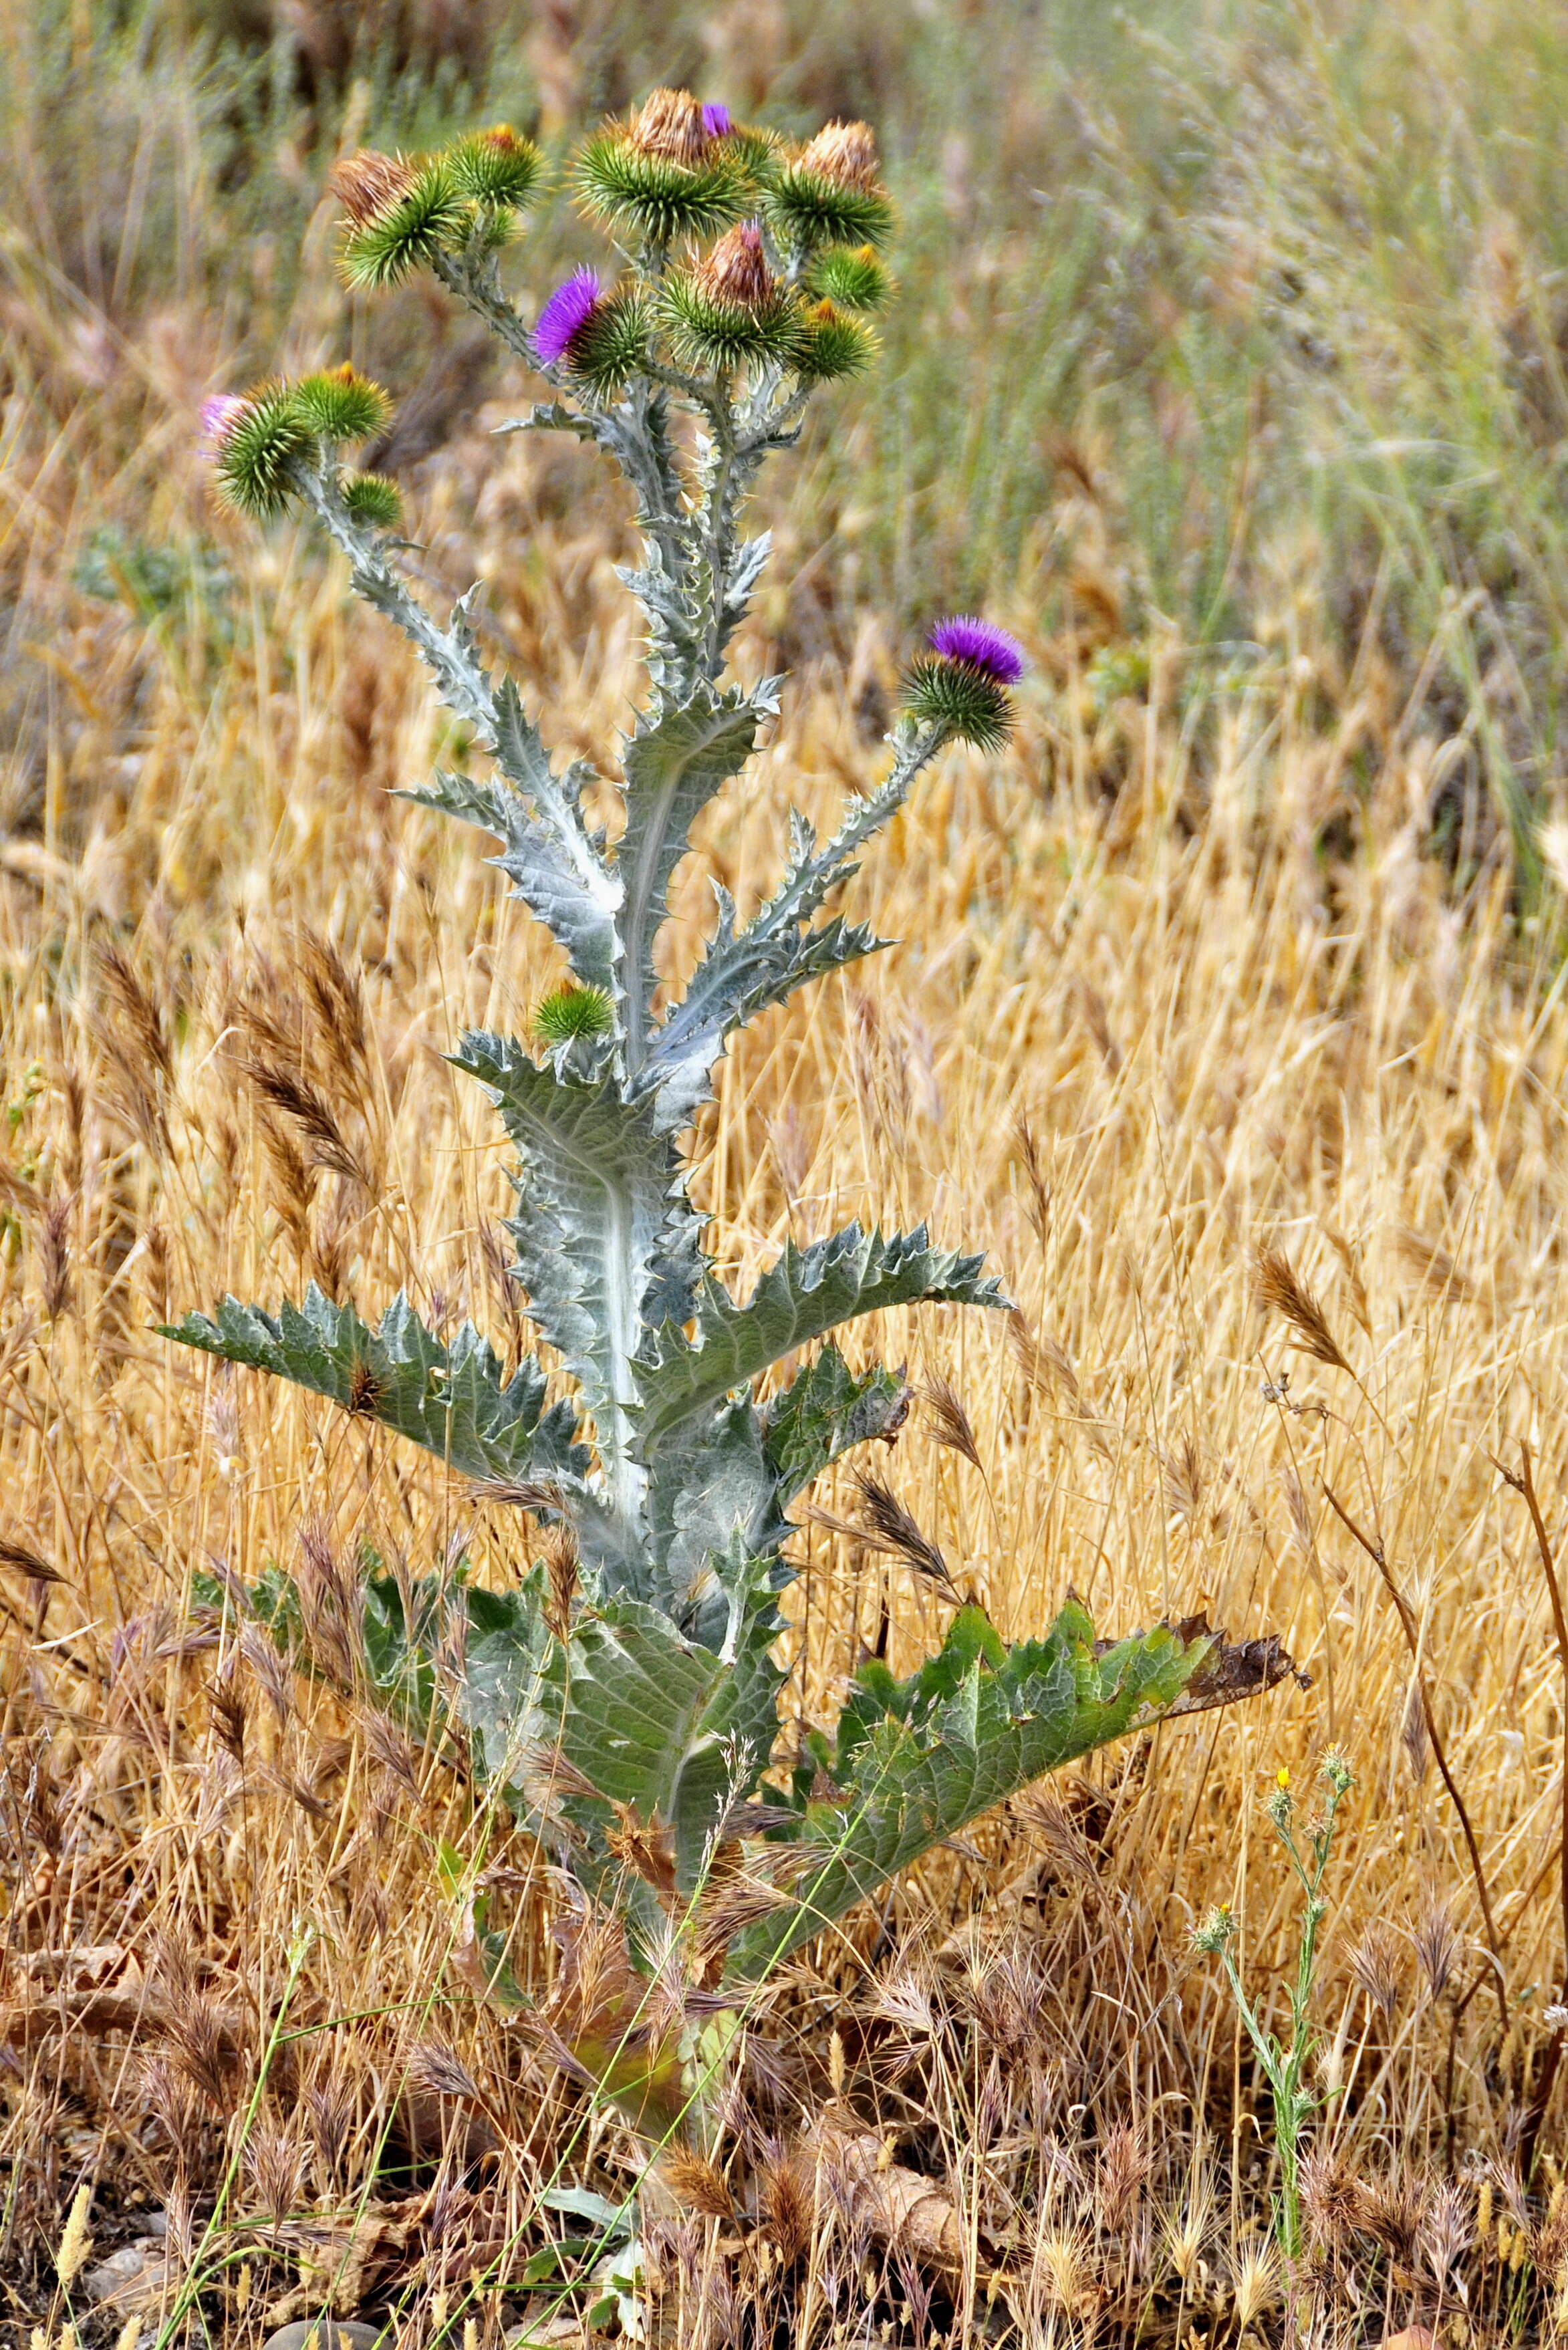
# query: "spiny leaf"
{"points": [[451, 1400], [802, 1297], [598, 1237], [916, 1760]]}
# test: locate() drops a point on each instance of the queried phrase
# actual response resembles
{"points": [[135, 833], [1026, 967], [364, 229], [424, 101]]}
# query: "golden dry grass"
{"points": [[1188, 1024]]}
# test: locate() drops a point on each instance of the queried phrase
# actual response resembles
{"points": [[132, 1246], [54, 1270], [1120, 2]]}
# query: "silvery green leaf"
{"points": [[673, 766], [596, 1230], [450, 1400], [714, 1489], [570, 890], [739, 976], [825, 1411], [806, 1293], [664, 1723]]}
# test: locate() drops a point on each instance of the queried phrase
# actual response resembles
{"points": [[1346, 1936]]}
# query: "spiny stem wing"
{"points": [[673, 765], [597, 1233], [917, 1760], [451, 1400], [577, 908], [743, 971], [802, 1297], [738, 977]]}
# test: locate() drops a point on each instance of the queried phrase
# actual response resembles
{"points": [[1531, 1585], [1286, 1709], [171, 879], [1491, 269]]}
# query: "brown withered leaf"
{"points": [[1232, 1670], [896, 2205]]}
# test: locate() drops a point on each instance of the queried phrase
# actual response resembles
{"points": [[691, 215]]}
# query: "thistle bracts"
{"points": [[665, 1447], [727, 308], [263, 445], [828, 193], [402, 213], [664, 173]]}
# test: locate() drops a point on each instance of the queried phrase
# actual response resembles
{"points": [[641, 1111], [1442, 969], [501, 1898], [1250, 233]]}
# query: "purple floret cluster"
{"points": [[219, 415], [565, 313], [981, 645], [717, 121]]}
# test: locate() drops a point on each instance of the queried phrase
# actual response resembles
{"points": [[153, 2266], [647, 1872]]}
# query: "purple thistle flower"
{"points": [[219, 416], [565, 314], [981, 645], [717, 121]]}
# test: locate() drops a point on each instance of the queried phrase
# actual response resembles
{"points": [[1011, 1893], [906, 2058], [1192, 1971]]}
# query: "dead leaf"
{"points": [[898, 2206], [1414, 2337]]}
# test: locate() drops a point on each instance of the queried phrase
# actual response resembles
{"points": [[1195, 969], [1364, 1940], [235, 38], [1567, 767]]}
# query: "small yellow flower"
{"points": [[1282, 1776]]}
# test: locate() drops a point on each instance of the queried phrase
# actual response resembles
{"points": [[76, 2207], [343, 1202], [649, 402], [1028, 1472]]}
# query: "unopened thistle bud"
{"points": [[572, 1014], [255, 444], [663, 172], [399, 214], [374, 501], [495, 167], [1335, 1770], [341, 404], [963, 688], [852, 278], [729, 307], [1217, 1928], [830, 344], [829, 194]]}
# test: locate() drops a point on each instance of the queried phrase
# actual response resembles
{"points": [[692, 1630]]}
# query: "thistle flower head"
{"points": [[569, 310], [368, 183], [961, 685], [843, 153], [399, 214], [494, 166], [852, 276], [729, 307], [829, 344], [717, 121], [828, 193], [373, 500], [341, 404], [981, 645], [672, 125], [1333, 1768], [1216, 1930], [260, 440]]}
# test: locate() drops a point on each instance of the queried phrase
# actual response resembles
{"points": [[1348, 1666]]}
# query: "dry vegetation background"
{"points": [[1229, 370]]}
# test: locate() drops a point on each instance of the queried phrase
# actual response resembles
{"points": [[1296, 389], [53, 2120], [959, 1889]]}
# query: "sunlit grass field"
{"points": [[1229, 371]]}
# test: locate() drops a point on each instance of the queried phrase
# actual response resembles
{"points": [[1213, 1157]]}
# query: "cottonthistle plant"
{"points": [[659, 1463]]}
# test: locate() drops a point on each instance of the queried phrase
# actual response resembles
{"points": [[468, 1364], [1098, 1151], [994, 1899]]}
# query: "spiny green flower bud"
{"points": [[663, 173], [829, 192], [399, 214], [851, 277], [341, 404], [373, 500], [256, 446], [495, 167], [828, 344], [729, 307], [572, 1014]]}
